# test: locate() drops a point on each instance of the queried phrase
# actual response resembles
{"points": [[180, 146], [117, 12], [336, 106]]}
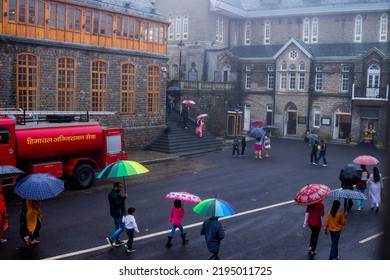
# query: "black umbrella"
{"points": [[350, 174]]}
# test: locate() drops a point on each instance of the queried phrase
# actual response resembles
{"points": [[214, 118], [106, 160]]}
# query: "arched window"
{"points": [[185, 27], [128, 88], [66, 84], [292, 76], [358, 28], [267, 32], [373, 81], [27, 81], [247, 33], [178, 28], [383, 28], [314, 30], [171, 28], [306, 30]]}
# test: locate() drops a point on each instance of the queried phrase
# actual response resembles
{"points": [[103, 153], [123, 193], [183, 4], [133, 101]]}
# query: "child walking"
{"points": [[176, 217], [131, 227]]}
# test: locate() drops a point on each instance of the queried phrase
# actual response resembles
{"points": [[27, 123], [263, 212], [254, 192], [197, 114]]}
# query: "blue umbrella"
{"points": [[348, 194], [173, 88], [256, 132], [214, 207], [39, 187]]}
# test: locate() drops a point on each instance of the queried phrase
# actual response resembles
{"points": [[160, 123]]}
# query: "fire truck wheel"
{"points": [[83, 177]]}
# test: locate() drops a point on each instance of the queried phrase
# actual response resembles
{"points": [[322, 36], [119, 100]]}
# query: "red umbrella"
{"points": [[257, 123], [365, 160], [311, 194], [188, 102]]}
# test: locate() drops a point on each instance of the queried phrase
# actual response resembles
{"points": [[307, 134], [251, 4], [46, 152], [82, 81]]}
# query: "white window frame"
{"points": [[292, 83], [178, 28], [316, 116], [271, 80], [247, 33], [171, 28], [306, 30], [358, 29], [185, 27], [383, 28], [318, 79], [248, 79], [345, 79], [267, 32], [301, 83], [217, 30], [283, 80], [314, 30], [221, 30]]}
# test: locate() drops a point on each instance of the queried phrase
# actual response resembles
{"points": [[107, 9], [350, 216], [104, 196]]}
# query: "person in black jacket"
{"points": [[117, 210]]}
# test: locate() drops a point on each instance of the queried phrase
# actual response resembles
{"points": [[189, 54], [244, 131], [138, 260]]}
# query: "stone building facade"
{"points": [[317, 66]]}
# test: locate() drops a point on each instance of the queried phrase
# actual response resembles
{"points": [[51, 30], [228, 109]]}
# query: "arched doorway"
{"points": [[342, 123], [290, 119]]}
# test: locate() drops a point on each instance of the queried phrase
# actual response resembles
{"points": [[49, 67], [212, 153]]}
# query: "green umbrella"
{"points": [[122, 168], [214, 207]]}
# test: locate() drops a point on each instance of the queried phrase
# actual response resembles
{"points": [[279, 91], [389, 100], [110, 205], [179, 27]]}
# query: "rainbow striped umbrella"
{"points": [[215, 207], [122, 168]]}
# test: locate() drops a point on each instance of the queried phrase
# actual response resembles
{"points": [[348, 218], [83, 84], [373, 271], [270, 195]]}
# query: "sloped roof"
{"points": [[144, 8], [318, 51]]}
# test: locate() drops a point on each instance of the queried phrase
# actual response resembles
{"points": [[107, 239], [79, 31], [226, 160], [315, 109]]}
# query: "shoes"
{"points": [[3, 240], [119, 243], [314, 163], [35, 242], [313, 253], [130, 250], [325, 165], [372, 208], [359, 209], [26, 241], [110, 242], [376, 210]]}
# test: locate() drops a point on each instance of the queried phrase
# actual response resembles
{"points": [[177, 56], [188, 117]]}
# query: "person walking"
{"points": [[184, 113], [313, 153], [243, 146], [362, 185], [176, 218], [236, 148], [131, 228], [3, 215], [213, 232], [199, 127], [335, 220], [117, 210], [322, 154], [30, 221], [267, 145], [314, 221], [375, 188]]}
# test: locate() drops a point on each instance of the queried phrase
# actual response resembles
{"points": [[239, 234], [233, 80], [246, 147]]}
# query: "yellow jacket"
{"points": [[335, 223]]}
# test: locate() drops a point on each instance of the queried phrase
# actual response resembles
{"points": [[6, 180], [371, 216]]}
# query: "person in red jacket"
{"points": [[176, 217], [362, 185], [314, 220]]}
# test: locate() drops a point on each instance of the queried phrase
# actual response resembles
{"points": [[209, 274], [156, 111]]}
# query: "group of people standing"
{"points": [[335, 219], [261, 143]]}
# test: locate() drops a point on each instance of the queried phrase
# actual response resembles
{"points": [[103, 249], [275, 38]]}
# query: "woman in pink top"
{"points": [[314, 220], [176, 217]]}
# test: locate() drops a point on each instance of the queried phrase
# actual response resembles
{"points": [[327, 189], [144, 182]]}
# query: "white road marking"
{"points": [[166, 231], [371, 237]]}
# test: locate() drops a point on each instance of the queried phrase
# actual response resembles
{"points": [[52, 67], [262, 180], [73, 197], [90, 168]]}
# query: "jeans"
{"points": [[323, 158], [174, 228], [119, 227], [360, 201], [334, 249], [130, 234]]}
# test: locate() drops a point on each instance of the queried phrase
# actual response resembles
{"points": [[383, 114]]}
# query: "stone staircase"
{"points": [[180, 141]]}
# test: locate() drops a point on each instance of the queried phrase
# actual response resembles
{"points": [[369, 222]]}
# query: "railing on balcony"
{"points": [[360, 93], [202, 85]]}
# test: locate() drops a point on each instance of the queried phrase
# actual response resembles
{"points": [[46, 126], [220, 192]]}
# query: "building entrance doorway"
{"points": [[290, 120], [342, 123]]}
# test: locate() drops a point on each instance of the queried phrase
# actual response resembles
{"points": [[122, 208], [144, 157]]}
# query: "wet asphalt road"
{"points": [[268, 226]]}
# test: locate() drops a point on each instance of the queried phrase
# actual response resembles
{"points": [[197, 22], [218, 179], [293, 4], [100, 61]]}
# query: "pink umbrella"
{"points": [[188, 102], [201, 116], [183, 196], [365, 160], [257, 123]]}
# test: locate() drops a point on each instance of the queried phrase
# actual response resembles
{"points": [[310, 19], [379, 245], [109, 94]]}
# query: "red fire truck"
{"points": [[69, 150]]}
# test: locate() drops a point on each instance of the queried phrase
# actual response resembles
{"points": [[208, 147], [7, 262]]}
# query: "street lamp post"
{"points": [[181, 47]]}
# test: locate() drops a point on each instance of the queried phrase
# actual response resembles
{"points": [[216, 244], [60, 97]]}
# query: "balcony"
{"points": [[370, 96]]}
